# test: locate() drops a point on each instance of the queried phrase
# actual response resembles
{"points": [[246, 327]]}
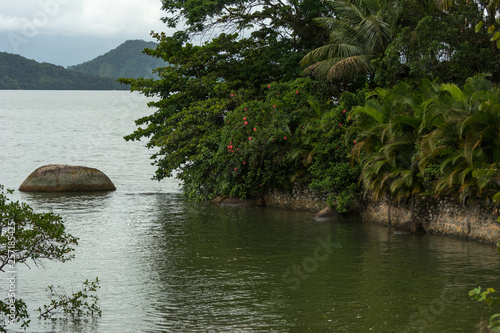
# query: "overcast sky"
{"points": [[69, 32]]}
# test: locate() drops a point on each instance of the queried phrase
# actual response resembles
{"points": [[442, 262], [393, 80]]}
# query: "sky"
{"points": [[69, 32]]}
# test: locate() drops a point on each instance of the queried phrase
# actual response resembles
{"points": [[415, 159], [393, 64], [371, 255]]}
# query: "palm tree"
{"points": [[464, 138], [386, 145], [358, 35]]}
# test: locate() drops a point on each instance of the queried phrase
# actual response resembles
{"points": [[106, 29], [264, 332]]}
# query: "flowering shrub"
{"points": [[239, 125], [332, 170], [257, 139]]}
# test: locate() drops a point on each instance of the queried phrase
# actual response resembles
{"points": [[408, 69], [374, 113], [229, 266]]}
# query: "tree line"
{"points": [[127, 60], [17, 72], [375, 96]]}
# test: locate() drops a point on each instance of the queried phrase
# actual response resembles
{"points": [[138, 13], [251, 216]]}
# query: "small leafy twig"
{"points": [[476, 294], [79, 304], [18, 315]]}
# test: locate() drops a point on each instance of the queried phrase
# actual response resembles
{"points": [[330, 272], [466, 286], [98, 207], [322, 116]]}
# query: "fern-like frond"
{"points": [[350, 66], [454, 90], [371, 111]]}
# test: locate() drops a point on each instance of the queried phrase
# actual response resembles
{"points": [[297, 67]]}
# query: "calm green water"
{"points": [[167, 265]]}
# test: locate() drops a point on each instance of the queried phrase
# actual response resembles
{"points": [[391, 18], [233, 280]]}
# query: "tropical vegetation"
{"points": [[375, 97], [432, 139]]}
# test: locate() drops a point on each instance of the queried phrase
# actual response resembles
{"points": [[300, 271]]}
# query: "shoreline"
{"points": [[439, 216]]}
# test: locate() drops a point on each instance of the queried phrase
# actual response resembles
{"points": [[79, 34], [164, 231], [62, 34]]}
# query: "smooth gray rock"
{"points": [[326, 214], [66, 178]]}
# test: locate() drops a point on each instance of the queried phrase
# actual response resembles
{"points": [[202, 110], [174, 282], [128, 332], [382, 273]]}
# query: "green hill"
{"points": [[17, 72], [127, 60]]}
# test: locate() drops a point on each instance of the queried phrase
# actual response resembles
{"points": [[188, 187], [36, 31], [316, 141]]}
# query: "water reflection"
{"points": [[76, 202], [230, 269]]}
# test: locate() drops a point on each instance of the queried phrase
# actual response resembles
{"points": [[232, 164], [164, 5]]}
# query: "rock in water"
{"points": [[66, 178], [410, 227]]}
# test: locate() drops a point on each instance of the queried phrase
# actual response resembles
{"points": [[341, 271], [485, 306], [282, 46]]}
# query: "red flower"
{"points": [[297, 92], [354, 141], [249, 138], [246, 122], [285, 137], [245, 118], [343, 111], [254, 129], [235, 169], [244, 162], [269, 86], [340, 124]]}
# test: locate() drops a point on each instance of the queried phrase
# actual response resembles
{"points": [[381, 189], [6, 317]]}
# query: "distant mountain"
{"points": [[17, 72], [127, 61]]}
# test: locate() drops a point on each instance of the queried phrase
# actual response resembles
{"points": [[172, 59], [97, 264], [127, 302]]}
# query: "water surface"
{"points": [[167, 265]]}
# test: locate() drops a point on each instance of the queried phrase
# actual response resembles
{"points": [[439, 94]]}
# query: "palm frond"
{"points": [[455, 91], [370, 110], [357, 35], [445, 4], [476, 83], [408, 120], [333, 52], [471, 142], [376, 34], [348, 10], [350, 66]]}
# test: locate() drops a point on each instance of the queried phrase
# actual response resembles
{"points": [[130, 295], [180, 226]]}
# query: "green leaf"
{"points": [[495, 321], [495, 36], [496, 198], [478, 26], [474, 292]]}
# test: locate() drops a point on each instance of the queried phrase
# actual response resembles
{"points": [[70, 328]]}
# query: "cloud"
{"points": [[68, 32], [132, 18]]}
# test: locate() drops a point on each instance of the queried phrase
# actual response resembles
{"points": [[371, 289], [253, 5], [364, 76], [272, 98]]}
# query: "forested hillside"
{"points": [[17, 72], [127, 60]]}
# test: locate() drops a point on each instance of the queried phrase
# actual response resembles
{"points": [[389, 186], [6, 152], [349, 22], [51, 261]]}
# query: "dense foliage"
{"points": [[17, 72], [437, 139], [228, 126], [127, 60], [429, 42], [238, 115]]}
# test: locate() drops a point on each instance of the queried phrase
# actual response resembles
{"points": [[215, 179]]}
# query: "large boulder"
{"points": [[66, 178]]}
